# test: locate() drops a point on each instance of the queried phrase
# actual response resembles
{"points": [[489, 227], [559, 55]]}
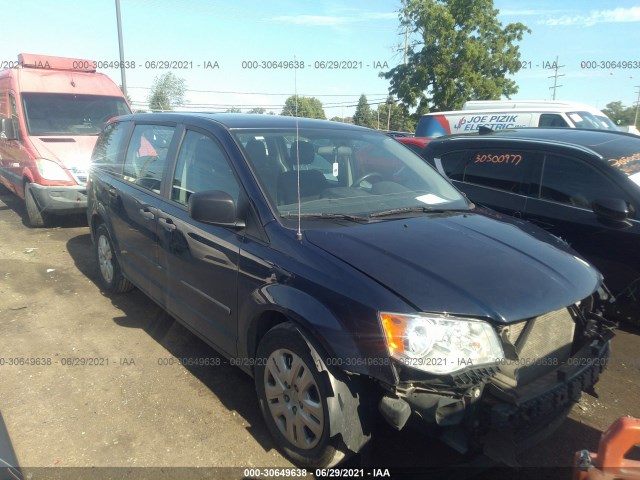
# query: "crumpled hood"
{"points": [[465, 264], [73, 152]]}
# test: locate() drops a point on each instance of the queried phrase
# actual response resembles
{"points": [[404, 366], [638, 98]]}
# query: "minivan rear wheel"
{"points": [[111, 278], [37, 218], [294, 399]]}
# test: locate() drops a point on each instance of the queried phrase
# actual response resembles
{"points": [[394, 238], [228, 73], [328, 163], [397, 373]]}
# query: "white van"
{"points": [[506, 117], [562, 105]]}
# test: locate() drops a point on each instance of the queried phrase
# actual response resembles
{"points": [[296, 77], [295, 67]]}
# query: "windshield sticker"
{"points": [[430, 199], [575, 117], [505, 158], [629, 165], [635, 178]]}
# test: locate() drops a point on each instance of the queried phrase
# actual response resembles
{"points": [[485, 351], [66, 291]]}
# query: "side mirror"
{"points": [[214, 207], [6, 129], [615, 209]]}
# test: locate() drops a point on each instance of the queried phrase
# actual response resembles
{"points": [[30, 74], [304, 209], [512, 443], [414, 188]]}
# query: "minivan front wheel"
{"points": [[295, 397], [111, 277]]}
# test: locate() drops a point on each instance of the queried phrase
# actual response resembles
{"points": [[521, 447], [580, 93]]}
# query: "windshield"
{"points": [[629, 165], [606, 123], [343, 172], [585, 120], [69, 114]]}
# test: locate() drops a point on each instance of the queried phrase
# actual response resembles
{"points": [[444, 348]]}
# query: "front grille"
{"points": [[541, 344]]}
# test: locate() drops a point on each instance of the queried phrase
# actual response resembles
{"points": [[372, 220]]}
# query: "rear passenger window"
{"points": [[573, 182], [202, 166], [147, 155], [501, 169], [106, 155]]}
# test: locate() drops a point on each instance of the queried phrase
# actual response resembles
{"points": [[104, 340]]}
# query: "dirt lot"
{"points": [[133, 408]]}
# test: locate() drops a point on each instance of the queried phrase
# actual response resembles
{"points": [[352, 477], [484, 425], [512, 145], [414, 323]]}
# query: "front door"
{"points": [[201, 261]]}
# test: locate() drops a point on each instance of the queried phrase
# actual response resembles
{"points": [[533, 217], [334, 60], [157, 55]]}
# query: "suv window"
{"points": [[499, 168], [202, 166], [453, 164], [573, 182], [106, 155], [147, 155], [552, 120]]}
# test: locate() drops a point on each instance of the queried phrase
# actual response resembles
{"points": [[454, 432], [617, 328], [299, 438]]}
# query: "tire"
{"points": [[109, 272], [37, 218], [288, 381]]}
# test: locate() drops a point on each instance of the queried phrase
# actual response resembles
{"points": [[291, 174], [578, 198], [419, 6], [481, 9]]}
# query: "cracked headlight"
{"points": [[440, 344]]}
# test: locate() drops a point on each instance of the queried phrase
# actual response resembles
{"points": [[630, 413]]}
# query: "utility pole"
{"points": [[555, 78], [122, 69], [635, 121], [389, 105]]}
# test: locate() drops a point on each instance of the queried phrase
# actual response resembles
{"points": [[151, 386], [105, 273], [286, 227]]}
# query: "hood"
{"points": [[73, 152], [465, 264]]}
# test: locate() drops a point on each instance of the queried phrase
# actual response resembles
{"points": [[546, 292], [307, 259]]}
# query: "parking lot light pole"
{"points": [[635, 121], [119, 20]]}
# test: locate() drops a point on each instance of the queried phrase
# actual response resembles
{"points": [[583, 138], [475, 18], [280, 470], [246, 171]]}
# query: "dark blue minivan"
{"points": [[348, 277]]}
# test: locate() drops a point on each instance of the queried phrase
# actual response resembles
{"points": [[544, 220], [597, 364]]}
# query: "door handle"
{"points": [[146, 214], [167, 224]]}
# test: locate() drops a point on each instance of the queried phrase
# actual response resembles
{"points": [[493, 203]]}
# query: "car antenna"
{"points": [[295, 91]]}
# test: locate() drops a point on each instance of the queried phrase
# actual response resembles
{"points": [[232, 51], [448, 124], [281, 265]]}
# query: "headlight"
{"points": [[51, 170], [440, 344]]}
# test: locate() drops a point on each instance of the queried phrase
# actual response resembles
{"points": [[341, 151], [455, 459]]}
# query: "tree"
{"points": [[166, 92], [400, 118], [309, 107], [619, 114], [363, 114], [459, 51], [233, 110], [259, 110]]}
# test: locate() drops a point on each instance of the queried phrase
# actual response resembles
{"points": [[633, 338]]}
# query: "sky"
{"points": [[221, 42]]}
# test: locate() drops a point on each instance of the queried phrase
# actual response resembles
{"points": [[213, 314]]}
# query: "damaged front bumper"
{"points": [[491, 417]]}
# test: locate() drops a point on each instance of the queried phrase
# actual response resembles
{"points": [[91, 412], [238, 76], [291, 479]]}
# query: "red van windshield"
{"points": [[69, 114]]}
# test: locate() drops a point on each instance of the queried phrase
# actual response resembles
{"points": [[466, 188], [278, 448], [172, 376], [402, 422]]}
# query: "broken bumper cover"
{"points": [[486, 412]]}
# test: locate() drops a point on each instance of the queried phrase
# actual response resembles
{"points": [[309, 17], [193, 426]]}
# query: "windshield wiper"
{"points": [[418, 209], [328, 216]]}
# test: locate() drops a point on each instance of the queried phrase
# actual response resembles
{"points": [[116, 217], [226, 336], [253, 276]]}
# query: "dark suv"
{"points": [[366, 286], [580, 185]]}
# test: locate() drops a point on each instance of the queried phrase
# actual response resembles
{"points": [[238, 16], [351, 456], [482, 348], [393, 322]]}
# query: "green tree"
{"points": [[400, 118], [619, 114], [363, 114], [459, 51], [309, 107], [233, 110], [259, 110], [166, 92]]}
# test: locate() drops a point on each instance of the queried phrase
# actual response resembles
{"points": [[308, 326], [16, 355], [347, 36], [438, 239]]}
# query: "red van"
{"points": [[51, 112]]}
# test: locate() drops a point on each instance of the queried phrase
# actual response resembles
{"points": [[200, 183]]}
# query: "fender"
{"points": [[321, 325]]}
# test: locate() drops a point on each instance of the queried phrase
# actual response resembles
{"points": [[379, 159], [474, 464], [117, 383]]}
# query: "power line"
{"points": [[276, 94]]}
